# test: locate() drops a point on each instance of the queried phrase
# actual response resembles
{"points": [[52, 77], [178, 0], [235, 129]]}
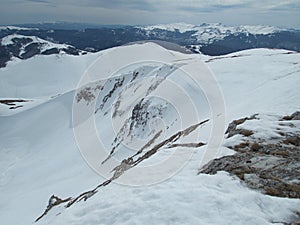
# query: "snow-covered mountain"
{"points": [[207, 33], [7, 28], [140, 101], [45, 47], [210, 39], [24, 47]]}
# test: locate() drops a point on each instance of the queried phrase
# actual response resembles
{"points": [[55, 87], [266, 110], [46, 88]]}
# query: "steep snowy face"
{"points": [[147, 99]]}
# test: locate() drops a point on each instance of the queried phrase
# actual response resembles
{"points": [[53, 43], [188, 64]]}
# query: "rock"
{"points": [[50, 51], [293, 140], [31, 50], [272, 167], [294, 116], [233, 130]]}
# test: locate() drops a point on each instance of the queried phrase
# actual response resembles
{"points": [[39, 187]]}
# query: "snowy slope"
{"points": [[264, 79], [39, 156], [52, 76]]}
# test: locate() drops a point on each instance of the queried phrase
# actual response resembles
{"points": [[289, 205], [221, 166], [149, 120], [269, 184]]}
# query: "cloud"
{"points": [[221, 5], [123, 4], [286, 6], [212, 8], [231, 12], [112, 4], [39, 1]]}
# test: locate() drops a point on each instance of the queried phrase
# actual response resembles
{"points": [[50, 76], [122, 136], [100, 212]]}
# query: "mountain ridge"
{"points": [[42, 137], [210, 39]]}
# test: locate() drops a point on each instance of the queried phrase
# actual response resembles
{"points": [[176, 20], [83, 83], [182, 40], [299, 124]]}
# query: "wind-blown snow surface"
{"points": [[39, 156], [41, 78]]}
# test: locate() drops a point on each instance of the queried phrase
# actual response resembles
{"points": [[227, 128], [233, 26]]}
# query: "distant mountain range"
{"points": [[71, 38]]}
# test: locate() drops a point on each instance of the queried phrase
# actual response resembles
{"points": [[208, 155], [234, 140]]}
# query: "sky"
{"points": [[282, 13]]}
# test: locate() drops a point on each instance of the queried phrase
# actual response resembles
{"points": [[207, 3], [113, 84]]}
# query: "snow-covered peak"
{"points": [[184, 27], [251, 29], [9, 40], [24, 47], [260, 29], [16, 28], [181, 27], [209, 32]]}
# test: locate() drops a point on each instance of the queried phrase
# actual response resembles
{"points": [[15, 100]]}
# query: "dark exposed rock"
{"points": [[293, 140], [71, 51], [15, 107], [88, 93], [273, 168], [118, 82], [233, 130], [11, 102], [294, 116], [5, 56], [85, 94], [53, 201], [50, 51], [31, 50]]}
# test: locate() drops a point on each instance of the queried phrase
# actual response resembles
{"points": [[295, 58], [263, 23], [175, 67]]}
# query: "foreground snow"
{"points": [[39, 156], [184, 199]]}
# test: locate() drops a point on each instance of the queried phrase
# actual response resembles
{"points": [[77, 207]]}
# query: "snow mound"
{"points": [[181, 27]]}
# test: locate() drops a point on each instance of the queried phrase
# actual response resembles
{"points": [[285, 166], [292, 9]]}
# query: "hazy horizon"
{"points": [[149, 12], [99, 24]]}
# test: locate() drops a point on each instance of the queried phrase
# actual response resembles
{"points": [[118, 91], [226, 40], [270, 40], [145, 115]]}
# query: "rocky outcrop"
{"points": [[53, 201], [294, 116], [270, 165], [233, 130]]}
